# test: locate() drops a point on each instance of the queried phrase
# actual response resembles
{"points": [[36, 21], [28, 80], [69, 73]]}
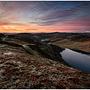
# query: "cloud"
{"points": [[81, 21], [55, 16], [44, 16], [42, 13]]}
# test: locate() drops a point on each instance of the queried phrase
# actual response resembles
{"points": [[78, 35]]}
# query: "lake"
{"points": [[76, 59]]}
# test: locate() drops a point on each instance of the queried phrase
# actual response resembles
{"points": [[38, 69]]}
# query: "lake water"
{"points": [[76, 59]]}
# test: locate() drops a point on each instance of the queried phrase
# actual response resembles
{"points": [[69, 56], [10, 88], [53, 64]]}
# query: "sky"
{"points": [[44, 16]]}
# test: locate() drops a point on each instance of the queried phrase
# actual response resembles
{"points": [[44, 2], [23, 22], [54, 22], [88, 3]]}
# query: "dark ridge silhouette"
{"points": [[1, 36], [26, 38], [9, 43], [6, 42]]}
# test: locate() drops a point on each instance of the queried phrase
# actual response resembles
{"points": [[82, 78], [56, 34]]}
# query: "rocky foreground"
{"points": [[20, 69]]}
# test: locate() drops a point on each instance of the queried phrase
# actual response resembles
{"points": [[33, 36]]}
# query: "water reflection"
{"points": [[76, 59]]}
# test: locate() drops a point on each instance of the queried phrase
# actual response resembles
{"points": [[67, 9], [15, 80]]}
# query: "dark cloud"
{"points": [[43, 12], [59, 15]]}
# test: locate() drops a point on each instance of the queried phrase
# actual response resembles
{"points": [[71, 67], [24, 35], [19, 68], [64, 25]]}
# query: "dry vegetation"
{"points": [[82, 45], [22, 70]]}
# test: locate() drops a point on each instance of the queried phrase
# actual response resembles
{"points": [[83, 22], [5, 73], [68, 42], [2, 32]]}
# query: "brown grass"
{"points": [[82, 45]]}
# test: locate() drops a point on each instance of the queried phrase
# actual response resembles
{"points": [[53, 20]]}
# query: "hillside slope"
{"points": [[20, 69]]}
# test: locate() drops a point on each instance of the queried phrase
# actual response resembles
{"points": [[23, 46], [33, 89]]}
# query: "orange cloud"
{"points": [[29, 27]]}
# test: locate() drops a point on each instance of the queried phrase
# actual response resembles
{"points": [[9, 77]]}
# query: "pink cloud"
{"points": [[83, 21], [81, 24]]}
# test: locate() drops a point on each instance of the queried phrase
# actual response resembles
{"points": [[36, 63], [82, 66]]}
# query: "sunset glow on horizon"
{"points": [[44, 16]]}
